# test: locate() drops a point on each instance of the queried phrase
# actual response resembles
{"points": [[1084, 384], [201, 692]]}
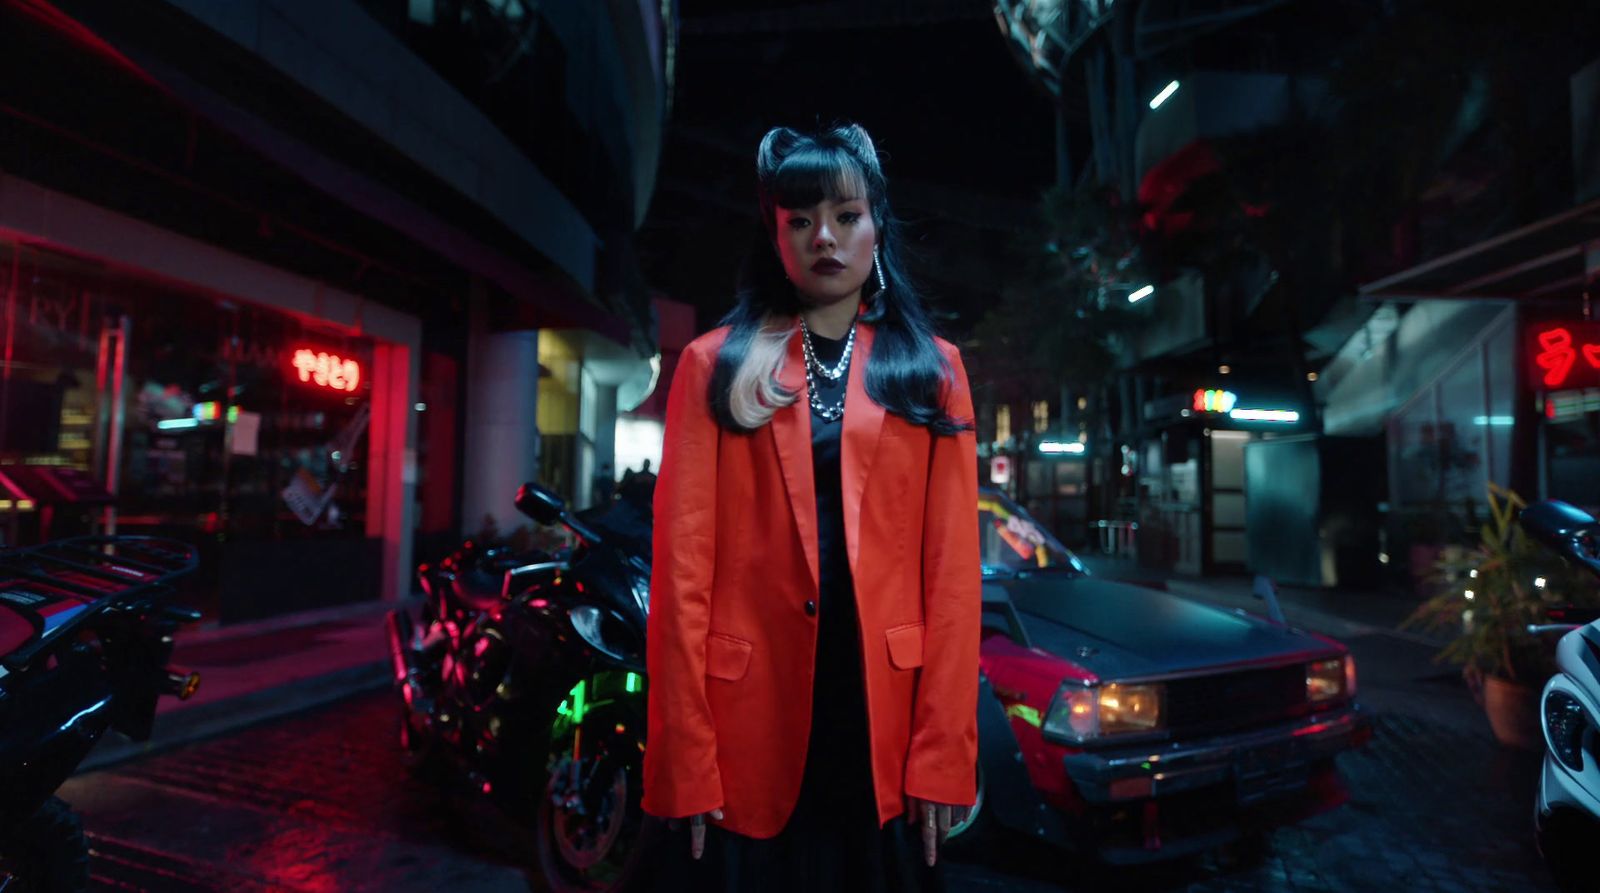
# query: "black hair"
{"points": [[905, 369]]}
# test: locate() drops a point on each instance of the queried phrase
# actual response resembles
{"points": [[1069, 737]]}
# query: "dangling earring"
{"points": [[878, 268]]}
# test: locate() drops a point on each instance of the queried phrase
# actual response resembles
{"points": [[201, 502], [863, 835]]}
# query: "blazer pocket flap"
{"points": [[905, 645], [727, 657]]}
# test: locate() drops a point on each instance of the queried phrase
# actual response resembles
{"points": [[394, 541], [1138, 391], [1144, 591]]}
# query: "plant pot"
{"points": [[1513, 711]]}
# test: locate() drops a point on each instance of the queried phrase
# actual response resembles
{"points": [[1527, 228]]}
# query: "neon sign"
{"points": [[1264, 415], [327, 370], [1212, 400], [1566, 355]]}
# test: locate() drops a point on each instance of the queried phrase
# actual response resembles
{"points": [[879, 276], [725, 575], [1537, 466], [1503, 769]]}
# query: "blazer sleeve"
{"points": [[942, 761], [680, 759]]}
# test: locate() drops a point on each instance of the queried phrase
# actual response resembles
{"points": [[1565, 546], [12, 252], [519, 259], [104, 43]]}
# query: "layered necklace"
{"points": [[814, 367]]}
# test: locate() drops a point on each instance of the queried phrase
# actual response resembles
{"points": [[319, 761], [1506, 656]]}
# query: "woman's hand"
{"points": [[697, 830], [935, 820]]}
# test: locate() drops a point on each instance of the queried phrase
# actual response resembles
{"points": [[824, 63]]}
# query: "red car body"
{"points": [[1242, 717]]}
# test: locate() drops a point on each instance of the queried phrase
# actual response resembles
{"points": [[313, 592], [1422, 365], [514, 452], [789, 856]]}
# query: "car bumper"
{"points": [[1261, 764]]}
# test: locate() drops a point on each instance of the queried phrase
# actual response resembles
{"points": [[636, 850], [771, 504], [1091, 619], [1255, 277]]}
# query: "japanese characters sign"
{"points": [[1565, 355], [327, 370]]}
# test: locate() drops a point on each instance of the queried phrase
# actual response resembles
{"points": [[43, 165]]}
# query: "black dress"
{"points": [[832, 841]]}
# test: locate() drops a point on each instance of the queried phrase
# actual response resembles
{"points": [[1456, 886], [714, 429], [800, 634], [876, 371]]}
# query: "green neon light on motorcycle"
{"points": [[594, 693]]}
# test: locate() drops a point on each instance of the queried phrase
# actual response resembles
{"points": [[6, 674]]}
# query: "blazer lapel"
{"points": [[791, 432], [863, 423]]}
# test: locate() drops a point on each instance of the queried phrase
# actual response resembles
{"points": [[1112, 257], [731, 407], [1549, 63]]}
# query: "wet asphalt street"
{"points": [[319, 802]]}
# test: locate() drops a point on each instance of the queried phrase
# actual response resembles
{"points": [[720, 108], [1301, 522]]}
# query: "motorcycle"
{"points": [[1567, 812], [523, 677], [85, 636]]}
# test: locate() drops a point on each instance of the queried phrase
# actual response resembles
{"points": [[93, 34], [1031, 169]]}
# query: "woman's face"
{"points": [[827, 248]]}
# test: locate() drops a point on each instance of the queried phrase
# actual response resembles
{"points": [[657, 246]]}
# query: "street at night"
{"points": [[320, 802], [799, 446]]}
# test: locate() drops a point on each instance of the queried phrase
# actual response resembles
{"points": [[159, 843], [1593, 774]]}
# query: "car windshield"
{"points": [[1013, 542]]}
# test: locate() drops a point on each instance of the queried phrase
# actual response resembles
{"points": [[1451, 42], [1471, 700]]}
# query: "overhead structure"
{"points": [[1049, 33]]}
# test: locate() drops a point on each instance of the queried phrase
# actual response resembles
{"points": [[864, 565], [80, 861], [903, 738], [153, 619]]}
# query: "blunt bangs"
{"points": [[812, 174]]}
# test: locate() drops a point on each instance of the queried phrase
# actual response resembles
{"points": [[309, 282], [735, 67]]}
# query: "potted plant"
{"points": [[1486, 594]]}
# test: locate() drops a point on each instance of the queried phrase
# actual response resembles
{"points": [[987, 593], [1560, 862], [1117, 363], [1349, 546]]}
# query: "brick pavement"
{"points": [[318, 802], [1432, 809]]}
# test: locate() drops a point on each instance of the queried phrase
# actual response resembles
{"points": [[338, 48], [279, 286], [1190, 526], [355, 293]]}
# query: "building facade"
{"points": [[277, 277]]}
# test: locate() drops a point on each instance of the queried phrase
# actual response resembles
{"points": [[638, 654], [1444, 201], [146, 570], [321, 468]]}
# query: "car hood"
{"points": [[1122, 631]]}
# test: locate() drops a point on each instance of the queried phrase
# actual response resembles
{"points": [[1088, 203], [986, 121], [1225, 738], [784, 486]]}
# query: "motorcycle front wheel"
{"points": [[46, 854], [592, 832]]}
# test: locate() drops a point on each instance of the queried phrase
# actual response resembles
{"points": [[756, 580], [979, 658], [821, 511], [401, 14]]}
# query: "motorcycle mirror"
{"points": [[1554, 522], [538, 503], [1565, 528]]}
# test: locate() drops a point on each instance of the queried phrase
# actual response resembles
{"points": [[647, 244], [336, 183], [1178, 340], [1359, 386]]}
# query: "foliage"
{"points": [[1061, 324], [1499, 572]]}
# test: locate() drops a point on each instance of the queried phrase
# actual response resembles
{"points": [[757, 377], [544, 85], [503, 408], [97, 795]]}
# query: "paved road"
{"points": [[318, 802]]}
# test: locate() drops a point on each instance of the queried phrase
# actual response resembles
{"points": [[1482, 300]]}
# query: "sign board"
{"points": [[307, 498], [327, 370], [1564, 355], [1214, 400], [1000, 469]]}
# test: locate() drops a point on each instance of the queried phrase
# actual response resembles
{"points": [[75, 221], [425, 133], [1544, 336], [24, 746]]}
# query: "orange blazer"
{"points": [[731, 643]]}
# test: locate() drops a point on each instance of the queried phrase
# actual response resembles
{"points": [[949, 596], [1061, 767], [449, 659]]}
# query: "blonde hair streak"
{"points": [[755, 393]]}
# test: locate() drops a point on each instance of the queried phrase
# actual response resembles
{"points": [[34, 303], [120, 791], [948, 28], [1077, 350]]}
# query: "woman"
{"points": [[814, 623]]}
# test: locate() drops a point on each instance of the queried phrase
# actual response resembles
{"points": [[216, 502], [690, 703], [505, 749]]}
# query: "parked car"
{"points": [[1135, 725]]}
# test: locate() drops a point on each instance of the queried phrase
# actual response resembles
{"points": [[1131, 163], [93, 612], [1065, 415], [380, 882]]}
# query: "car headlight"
{"points": [[1079, 714], [1328, 680], [1564, 725]]}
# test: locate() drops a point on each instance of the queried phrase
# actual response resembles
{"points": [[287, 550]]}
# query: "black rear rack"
{"points": [[110, 570]]}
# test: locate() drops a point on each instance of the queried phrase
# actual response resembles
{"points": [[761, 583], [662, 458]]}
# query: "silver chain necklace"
{"points": [[811, 353], [833, 412]]}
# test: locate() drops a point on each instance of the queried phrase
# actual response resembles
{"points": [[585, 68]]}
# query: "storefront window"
{"points": [[561, 440], [1451, 439], [1461, 459], [1500, 355], [1413, 445], [56, 342], [1572, 455], [243, 429]]}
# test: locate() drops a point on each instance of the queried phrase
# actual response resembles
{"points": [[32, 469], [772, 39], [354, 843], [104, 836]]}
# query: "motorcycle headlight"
{"points": [[1079, 714], [1327, 680], [1564, 725]]}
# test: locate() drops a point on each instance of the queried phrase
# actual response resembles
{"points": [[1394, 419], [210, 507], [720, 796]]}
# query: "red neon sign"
{"points": [[327, 370], [1566, 355]]}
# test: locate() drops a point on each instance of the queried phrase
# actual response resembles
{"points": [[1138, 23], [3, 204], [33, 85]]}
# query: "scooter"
{"points": [[85, 635], [1567, 813], [524, 678]]}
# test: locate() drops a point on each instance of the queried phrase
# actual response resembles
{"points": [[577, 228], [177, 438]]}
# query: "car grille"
{"points": [[1225, 701]]}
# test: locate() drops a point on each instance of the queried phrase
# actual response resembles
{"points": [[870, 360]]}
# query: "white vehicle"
{"points": [[1567, 815]]}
